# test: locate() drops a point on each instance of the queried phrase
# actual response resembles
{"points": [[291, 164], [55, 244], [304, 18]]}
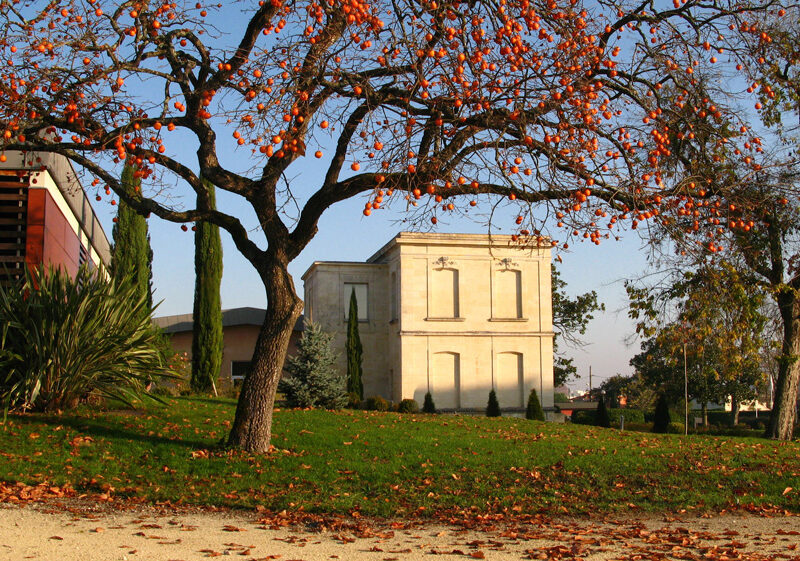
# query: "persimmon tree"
{"points": [[589, 116]]}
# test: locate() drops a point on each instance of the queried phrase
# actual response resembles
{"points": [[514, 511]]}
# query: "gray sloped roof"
{"points": [[234, 316]]}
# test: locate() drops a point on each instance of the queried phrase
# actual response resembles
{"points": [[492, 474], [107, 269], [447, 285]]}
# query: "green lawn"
{"points": [[391, 464]]}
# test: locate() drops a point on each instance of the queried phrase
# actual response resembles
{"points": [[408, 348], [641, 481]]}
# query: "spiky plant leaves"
{"points": [[65, 338]]}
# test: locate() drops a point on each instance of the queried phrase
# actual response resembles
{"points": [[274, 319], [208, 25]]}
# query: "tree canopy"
{"points": [[588, 116]]}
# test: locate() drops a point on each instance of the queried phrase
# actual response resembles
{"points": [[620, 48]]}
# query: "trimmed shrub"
{"points": [[63, 339], [661, 419], [589, 417], [377, 403], [584, 417], [601, 415], [408, 406], [493, 407], [534, 410], [428, 406], [675, 428], [353, 400]]}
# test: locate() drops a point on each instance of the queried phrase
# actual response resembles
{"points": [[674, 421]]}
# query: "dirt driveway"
{"points": [[59, 533]]}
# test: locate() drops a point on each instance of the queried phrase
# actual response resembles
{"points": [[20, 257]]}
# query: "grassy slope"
{"points": [[391, 464]]}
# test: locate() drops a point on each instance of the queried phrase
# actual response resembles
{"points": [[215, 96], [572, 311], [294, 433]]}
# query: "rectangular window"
{"points": [[362, 301], [239, 369], [444, 294]]}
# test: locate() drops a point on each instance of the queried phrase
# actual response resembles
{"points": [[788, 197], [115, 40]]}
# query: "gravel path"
{"points": [[58, 533]]}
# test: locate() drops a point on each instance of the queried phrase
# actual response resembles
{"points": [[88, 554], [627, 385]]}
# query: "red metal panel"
{"points": [[34, 229], [61, 244]]}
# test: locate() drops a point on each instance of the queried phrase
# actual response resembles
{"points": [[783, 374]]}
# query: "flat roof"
{"points": [[480, 240], [234, 316], [486, 240]]}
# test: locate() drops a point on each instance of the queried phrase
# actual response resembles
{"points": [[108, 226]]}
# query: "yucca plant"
{"points": [[64, 339]]}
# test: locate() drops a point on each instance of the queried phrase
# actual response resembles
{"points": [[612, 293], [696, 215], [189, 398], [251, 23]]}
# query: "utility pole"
{"points": [[685, 393], [590, 381]]}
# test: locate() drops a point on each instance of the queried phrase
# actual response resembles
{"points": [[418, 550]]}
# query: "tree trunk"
{"points": [[784, 406], [735, 410], [704, 409], [252, 427]]}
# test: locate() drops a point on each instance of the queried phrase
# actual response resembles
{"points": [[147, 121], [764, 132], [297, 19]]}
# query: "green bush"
{"points": [[63, 339], [428, 406], [353, 400], [675, 428], [376, 403], [631, 416], [601, 415], [534, 410], [584, 417], [313, 380], [408, 406], [661, 419], [638, 426], [492, 407]]}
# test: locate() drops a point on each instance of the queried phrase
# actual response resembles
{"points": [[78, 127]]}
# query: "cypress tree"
{"points": [[132, 257], [534, 410], [428, 405], [661, 419], [353, 350], [601, 417], [207, 333], [493, 407]]}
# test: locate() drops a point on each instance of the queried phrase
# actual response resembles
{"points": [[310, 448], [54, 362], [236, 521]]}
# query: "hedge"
{"points": [[588, 417]]}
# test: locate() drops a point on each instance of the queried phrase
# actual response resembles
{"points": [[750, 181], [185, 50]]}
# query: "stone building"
{"points": [[453, 314]]}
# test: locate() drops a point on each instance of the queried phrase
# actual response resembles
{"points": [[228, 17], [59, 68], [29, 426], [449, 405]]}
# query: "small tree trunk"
{"points": [[252, 426], [784, 405], [735, 410], [705, 414]]}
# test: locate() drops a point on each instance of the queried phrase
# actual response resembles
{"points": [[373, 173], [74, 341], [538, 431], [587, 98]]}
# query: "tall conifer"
{"points": [[207, 316], [354, 350], [132, 256]]}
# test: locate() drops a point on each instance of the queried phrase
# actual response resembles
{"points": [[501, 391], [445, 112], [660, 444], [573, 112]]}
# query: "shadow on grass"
{"points": [[110, 432]]}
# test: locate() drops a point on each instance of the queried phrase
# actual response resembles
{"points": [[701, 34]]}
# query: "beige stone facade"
{"points": [[453, 314]]}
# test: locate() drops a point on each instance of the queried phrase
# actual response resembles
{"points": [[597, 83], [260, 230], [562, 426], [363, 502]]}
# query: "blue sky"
{"points": [[345, 234]]}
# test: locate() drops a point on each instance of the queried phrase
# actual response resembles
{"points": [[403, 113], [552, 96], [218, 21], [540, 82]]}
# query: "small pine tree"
{"points": [[534, 410], [354, 350], [661, 419], [428, 406], [493, 407], [313, 380], [601, 417]]}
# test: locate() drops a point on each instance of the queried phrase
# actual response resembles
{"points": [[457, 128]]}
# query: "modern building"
{"points": [[240, 327], [451, 314], [45, 216]]}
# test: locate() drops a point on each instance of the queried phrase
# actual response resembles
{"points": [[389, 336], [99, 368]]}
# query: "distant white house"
{"points": [[451, 314]]}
